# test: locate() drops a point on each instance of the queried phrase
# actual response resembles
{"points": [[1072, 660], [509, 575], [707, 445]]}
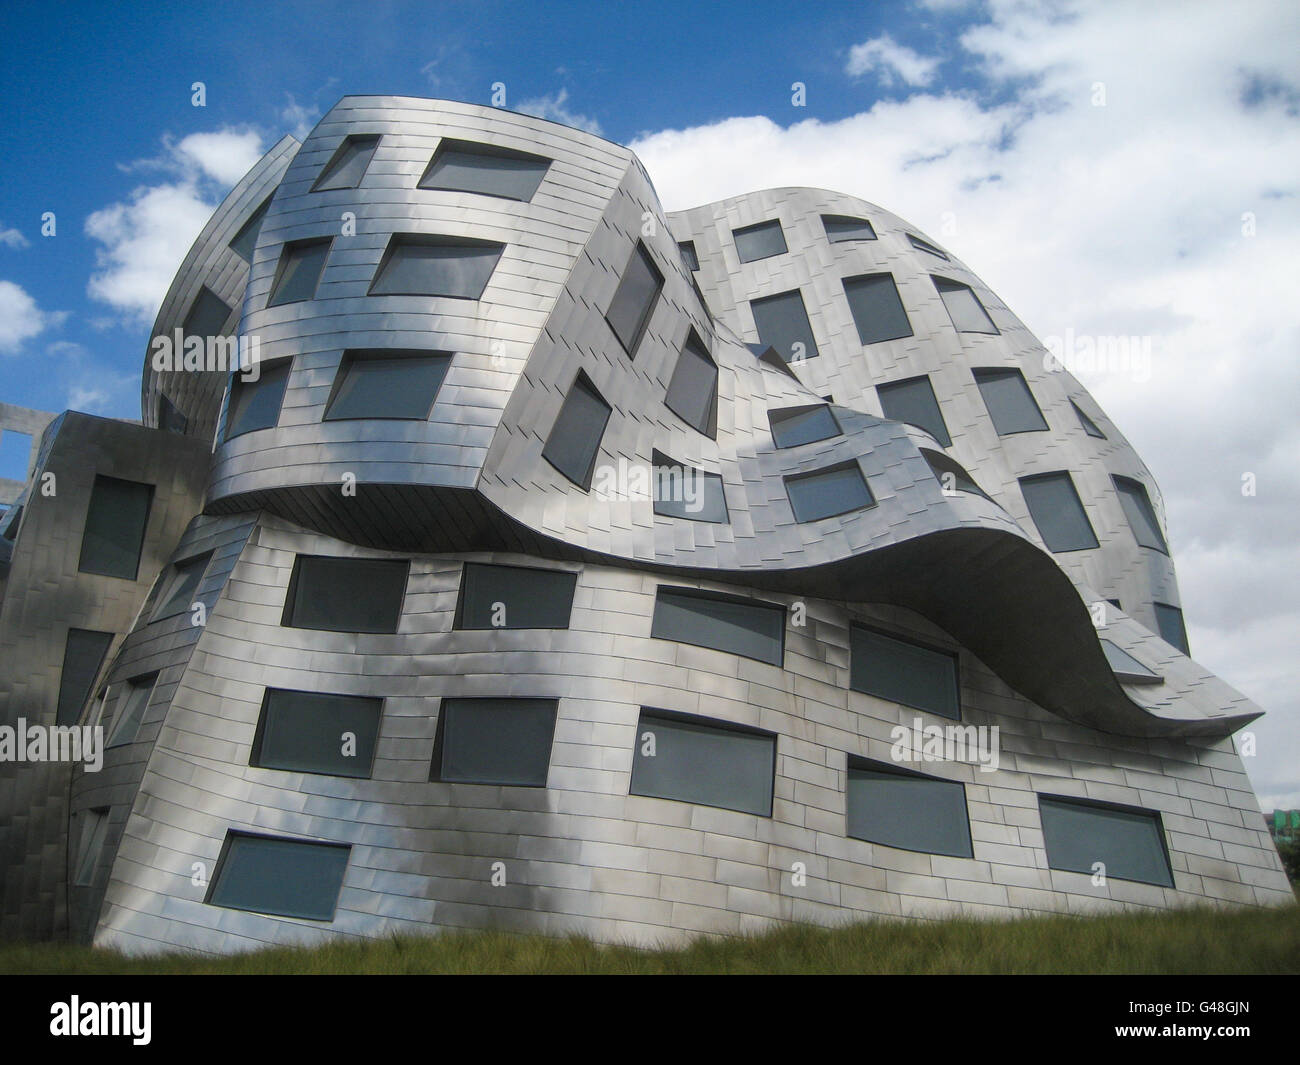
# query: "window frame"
{"points": [[953, 657]]}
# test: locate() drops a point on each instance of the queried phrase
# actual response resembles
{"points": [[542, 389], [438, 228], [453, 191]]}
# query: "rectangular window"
{"points": [[494, 741], [699, 760], [689, 257], [464, 166], [387, 383], [346, 594], [177, 594], [90, 844], [574, 440], [513, 597], [634, 299], [115, 525], [1141, 517], [686, 492], [782, 324], [245, 241], [1169, 619], [964, 308], [1127, 668], [83, 654], [436, 266], [308, 732], [896, 807], [876, 308], [1128, 841], [901, 671], [802, 425], [926, 246], [693, 390], [131, 705], [207, 316], [301, 264], [280, 877], [256, 404], [761, 241], [348, 166], [1089, 426], [841, 228], [746, 627], [1054, 505], [827, 493], [1010, 403], [912, 401]]}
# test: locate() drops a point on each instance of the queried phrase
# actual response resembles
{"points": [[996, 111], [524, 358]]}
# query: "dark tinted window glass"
{"points": [[906, 810], [634, 299], [903, 672], [495, 741], [1054, 505], [1011, 405], [925, 246], [207, 316], [83, 654], [1141, 518], [284, 877], [131, 705], [512, 597], [802, 425], [1129, 842], [346, 594], [301, 264], [256, 404], [90, 845], [693, 391], [748, 628], [245, 241], [419, 266], [387, 384], [170, 419], [177, 594], [912, 401], [759, 242], [687, 249], [575, 437], [1089, 426], [686, 492], [1125, 666], [782, 323], [348, 166], [115, 525], [465, 167], [951, 475], [877, 311], [825, 493], [701, 762], [964, 308], [1169, 619], [308, 732], [841, 227]]}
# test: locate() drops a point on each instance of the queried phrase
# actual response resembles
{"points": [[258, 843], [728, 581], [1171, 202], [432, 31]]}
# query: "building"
{"points": [[498, 551]]}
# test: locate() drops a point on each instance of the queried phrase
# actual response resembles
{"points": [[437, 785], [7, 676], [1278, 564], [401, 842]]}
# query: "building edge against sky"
{"points": [[385, 634]]}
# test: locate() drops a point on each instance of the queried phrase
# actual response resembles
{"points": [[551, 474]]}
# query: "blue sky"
{"points": [[1109, 169]]}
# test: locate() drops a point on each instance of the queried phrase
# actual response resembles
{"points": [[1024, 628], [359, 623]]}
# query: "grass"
{"points": [[1169, 942]]}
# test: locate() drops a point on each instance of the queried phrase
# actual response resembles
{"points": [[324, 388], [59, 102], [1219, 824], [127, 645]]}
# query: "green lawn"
{"points": [[1186, 941]]}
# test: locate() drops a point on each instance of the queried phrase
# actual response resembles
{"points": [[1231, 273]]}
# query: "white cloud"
{"points": [[89, 385], [552, 107], [12, 238], [144, 238], [20, 318], [891, 60], [300, 118], [1122, 219]]}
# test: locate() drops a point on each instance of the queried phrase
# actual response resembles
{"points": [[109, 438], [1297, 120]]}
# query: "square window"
{"points": [[802, 425], [1010, 403], [456, 267], [964, 308], [348, 166], [338, 594], [761, 241], [912, 401], [634, 300], [115, 526], [514, 597], [296, 278], [280, 877], [494, 741], [1054, 505], [828, 493], [310, 732], [386, 383], [876, 308], [782, 324], [693, 390], [256, 404], [895, 807], [904, 672], [574, 440], [464, 166]]}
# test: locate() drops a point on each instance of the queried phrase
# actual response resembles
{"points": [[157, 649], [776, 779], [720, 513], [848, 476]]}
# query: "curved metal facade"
{"points": [[961, 572]]}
